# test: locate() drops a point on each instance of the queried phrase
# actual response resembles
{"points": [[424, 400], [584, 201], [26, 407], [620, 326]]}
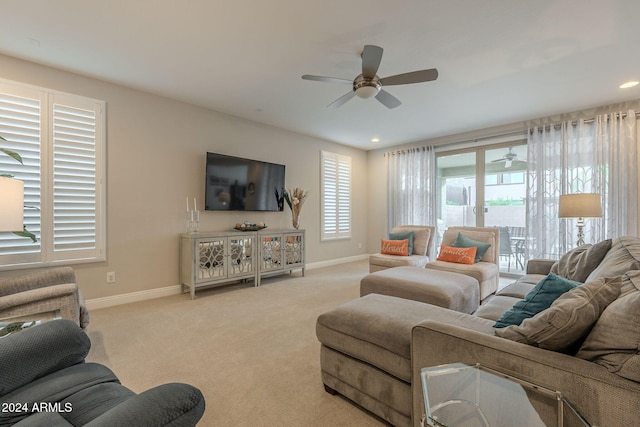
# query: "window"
{"points": [[335, 202], [61, 140]]}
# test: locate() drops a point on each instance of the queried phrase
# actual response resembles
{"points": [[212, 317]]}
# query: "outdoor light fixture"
{"points": [[581, 206]]}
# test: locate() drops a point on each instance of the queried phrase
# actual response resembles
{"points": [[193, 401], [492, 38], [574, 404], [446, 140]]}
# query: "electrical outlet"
{"points": [[111, 277], [359, 245]]}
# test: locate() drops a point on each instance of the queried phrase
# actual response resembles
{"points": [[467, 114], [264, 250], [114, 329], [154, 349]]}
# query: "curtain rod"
{"points": [[575, 122], [520, 133]]}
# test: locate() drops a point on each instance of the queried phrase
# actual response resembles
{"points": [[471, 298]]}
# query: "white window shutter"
{"points": [[61, 140], [336, 196], [75, 186]]}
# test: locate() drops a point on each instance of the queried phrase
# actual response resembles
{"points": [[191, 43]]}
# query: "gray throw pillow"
{"points": [[577, 264], [614, 341], [569, 319]]}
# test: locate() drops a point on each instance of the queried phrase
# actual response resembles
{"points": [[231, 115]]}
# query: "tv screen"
{"points": [[238, 184]]}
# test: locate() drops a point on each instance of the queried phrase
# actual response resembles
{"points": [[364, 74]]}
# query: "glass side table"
{"points": [[459, 395]]}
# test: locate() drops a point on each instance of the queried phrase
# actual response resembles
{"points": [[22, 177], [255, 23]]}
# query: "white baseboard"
{"points": [[329, 263], [110, 301], [96, 303]]}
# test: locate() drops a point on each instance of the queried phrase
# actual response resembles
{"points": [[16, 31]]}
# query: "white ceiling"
{"points": [[500, 61]]}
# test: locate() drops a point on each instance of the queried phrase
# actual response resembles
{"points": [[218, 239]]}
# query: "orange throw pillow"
{"points": [[395, 247], [457, 255]]}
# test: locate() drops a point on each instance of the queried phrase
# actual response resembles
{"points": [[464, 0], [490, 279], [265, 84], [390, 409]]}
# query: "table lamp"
{"points": [[11, 204], [581, 206]]}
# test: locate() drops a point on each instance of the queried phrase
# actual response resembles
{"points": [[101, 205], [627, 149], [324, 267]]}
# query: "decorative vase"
{"points": [[295, 219]]}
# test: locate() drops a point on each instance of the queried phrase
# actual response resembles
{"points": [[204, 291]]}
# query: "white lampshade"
{"points": [[11, 204], [582, 205]]}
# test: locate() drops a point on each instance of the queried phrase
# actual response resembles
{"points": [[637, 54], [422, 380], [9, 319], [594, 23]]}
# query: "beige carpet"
{"points": [[252, 351]]}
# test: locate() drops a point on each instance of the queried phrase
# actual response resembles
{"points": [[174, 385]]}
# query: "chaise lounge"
{"points": [[373, 348]]}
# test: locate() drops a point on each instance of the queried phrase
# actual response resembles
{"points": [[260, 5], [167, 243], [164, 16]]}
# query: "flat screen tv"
{"points": [[239, 184]]}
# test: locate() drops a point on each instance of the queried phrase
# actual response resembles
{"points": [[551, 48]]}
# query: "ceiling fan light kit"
{"points": [[368, 84], [366, 88]]}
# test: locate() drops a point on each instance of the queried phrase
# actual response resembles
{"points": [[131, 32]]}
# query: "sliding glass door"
{"points": [[486, 186]]}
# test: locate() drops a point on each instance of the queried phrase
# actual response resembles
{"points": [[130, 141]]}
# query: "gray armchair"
{"points": [[45, 365], [43, 295]]}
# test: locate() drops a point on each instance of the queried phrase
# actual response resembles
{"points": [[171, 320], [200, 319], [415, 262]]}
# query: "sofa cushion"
{"points": [[614, 341], [569, 318], [494, 307], [623, 256], [463, 241], [459, 255], [377, 329], [481, 271], [389, 261], [578, 263], [394, 247], [404, 235], [540, 298], [520, 288]]}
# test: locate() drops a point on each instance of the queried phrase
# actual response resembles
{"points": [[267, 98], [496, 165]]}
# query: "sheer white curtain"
{"points": [[584, 156], [411, 175]]}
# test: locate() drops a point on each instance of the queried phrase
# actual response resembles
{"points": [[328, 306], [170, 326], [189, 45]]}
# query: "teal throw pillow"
{"points": [[538, 299], [463, 241], [405, 235]]}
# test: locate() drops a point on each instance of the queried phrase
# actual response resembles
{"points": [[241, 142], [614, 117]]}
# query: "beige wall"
{"points": [[155, 158]]}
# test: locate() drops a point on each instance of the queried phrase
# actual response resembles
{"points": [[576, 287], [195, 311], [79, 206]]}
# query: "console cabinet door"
{"points": [[242, 253], [212, 263], [294, 250], [270, 253]]}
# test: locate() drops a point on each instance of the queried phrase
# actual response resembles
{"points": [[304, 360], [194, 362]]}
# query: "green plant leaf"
{"points": [[12, 154], [26, 233]]}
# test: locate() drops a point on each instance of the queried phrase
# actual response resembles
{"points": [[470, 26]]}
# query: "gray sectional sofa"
{"points": [[373, 348]]}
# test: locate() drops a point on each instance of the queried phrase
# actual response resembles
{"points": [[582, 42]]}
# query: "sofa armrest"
{"points": [[39, 351], [34, 304], [539, 266], [173, 404], [597, 394], [52, 276]]}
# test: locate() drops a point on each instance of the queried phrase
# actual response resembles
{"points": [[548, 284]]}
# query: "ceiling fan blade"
{"points": [[387, 99], [412, 77], [327, 79], [340, 101], [371, 57]]}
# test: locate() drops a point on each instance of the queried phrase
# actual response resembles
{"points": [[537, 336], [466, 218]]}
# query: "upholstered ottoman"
{"points": [[455, 291]]}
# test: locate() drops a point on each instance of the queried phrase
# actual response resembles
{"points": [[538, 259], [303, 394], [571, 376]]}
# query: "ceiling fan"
{"points": [[368, 84], [508, 158]]}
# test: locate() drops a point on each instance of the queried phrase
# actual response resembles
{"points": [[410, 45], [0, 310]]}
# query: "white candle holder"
{"points": [[192, 220]]}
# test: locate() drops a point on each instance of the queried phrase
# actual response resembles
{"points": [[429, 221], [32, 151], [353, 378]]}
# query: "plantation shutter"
{"points": [[74, 179], [60, 138], [20, 124], [336, 196]]}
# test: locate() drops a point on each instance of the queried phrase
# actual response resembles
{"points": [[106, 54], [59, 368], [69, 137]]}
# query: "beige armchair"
{"points": [[422, 249], [43, 295], [486, 271]]}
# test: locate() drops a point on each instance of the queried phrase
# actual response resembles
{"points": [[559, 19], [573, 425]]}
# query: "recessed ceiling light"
{"points": [[376, 139], [628, 85]]}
